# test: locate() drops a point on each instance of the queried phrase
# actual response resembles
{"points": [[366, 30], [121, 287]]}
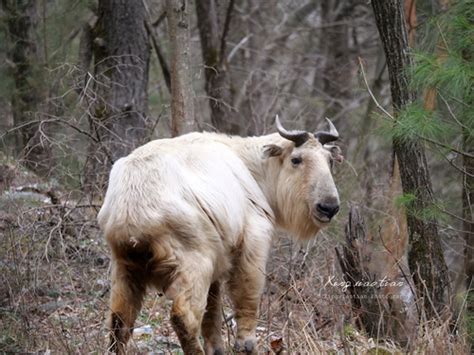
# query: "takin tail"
{"points": [[147, 257]]}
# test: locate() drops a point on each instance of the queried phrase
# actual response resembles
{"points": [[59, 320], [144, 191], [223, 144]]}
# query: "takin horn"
{"points": [[326, 137], [298, 137]]}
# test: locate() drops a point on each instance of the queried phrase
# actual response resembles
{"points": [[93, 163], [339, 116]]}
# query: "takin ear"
{"points": [[271, 150], [336, 152]]}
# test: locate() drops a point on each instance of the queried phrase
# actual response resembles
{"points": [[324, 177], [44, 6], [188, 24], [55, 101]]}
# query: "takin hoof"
{"points": [[214, 350], [246, 346]]}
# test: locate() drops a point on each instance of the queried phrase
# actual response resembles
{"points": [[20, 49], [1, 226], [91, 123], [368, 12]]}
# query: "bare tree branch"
{"points": [[228, 18], [164, 66]]}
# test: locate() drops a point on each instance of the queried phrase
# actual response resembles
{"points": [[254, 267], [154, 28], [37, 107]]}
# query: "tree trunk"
{"points": [[21, 18], [366, 303], [337, 64], [468, 228], [213, 25], [121, 56], [335, 77], [182, 93], [425, 257], [387, 310]]}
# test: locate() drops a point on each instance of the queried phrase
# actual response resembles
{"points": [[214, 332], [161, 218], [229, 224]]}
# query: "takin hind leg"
{"points": [[246, 285], [189, 294], [126, 298], [212, 321]]}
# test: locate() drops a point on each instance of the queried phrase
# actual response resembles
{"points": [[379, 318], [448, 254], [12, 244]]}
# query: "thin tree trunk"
{"points": [[161, 59], [335, 41], [182, 93], [34, 148], [334, 79], [121, 54], [468, 228], [467, 207], [371, 309], [213, 26], [425, 257]]}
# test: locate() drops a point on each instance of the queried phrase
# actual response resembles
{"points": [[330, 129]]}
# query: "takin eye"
{"points": [[296, 160]]}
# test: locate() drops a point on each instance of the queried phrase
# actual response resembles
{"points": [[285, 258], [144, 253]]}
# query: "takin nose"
{"points": [[327, 209]]}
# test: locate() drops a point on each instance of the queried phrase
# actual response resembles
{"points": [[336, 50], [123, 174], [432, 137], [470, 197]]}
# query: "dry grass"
{"points": [[54, 289]]}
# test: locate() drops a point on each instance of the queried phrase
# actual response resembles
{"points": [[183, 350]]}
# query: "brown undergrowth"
{"points": [[54, 288]]}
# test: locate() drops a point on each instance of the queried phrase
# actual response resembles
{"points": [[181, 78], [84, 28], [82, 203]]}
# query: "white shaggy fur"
{"points": [[208, 204]]}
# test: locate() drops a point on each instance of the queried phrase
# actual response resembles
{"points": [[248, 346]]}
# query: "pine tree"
{"points": [[447, 122], [443, 120], [425, 256]]}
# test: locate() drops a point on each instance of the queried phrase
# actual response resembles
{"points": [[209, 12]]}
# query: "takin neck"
{"points": [[266, 172]]}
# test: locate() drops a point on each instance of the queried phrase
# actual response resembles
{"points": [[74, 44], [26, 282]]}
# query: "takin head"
{"points": [[306, 195]]}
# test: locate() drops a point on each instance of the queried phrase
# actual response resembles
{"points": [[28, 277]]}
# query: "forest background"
{"points": [[83, 82]]}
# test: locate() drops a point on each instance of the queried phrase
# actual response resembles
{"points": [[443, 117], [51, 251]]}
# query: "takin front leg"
{"points": [[246, 286], [126, 298], [212, 321]]}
